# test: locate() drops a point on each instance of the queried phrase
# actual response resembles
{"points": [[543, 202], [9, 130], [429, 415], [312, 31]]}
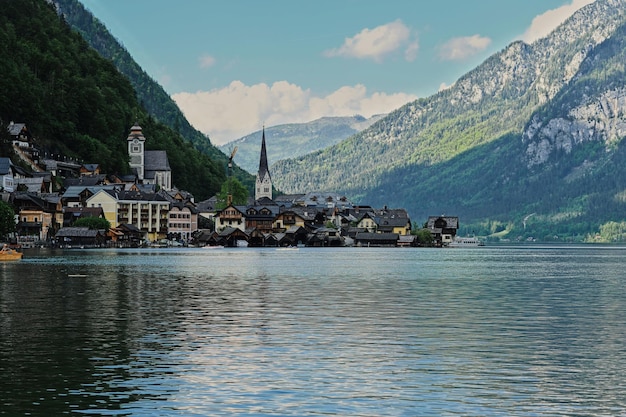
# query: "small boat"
{"points": [[465, 242], [8, 254]]}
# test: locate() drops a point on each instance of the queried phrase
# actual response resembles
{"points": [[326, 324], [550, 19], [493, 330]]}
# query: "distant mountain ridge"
{"points": [[296, 139], [468, 150]]}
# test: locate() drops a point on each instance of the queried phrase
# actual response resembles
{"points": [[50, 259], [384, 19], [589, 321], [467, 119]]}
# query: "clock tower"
{"points": [[136, 153]]}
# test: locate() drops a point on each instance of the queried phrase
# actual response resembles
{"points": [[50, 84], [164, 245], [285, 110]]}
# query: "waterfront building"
{"points": [[147, 211]]}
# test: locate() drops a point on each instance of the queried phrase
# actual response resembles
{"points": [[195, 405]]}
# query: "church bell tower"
{"points": [[263, 178], [136, 150]]}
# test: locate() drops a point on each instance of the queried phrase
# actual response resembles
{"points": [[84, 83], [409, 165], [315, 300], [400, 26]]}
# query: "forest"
{"points": [[77, 104]]}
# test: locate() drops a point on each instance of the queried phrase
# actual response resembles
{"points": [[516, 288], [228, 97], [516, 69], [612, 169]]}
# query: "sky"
{"points": [[234, 66]]}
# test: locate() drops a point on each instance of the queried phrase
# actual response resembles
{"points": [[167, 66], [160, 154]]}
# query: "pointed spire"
{"points": [[263, 167], [263, 178]]}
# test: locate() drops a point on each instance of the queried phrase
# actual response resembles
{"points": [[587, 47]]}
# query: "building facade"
{"points": [[146, 211]]}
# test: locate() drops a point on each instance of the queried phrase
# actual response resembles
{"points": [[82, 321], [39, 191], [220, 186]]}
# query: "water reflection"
{"points": [[499, 331]]}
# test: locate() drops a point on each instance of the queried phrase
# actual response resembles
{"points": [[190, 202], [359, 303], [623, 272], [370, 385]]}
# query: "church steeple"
{"points": [[136, 141], [263, 178]]}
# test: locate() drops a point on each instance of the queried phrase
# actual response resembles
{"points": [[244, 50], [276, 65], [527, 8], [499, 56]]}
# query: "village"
{"points": [[144, 209]]}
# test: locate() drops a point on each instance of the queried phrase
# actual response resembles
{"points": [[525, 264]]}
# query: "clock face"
{"points": [[135, 141]]}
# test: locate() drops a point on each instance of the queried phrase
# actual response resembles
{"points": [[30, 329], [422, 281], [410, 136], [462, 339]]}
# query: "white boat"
{"points": [[465, 242]]}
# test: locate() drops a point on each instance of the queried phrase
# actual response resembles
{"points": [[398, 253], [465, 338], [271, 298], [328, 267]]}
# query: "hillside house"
{"points": [[89, 169], [6, 173], [20, 136]]}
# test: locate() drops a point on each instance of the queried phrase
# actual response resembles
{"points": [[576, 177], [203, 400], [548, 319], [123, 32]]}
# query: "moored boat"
{"points": [[465, 242], [8, 254]]}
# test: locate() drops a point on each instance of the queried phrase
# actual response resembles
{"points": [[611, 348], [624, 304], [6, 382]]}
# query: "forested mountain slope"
{"points": [[476, 149], [77, 104], [150, 94]]}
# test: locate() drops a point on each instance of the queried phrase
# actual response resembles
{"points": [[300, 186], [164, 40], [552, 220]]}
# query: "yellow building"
{"points": [[105, 199], [146, 211]]}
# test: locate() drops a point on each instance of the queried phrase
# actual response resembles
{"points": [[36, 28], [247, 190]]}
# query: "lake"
{"points": [[490, 331]]}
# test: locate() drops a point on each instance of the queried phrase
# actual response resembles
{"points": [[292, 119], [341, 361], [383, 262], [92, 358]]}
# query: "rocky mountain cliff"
{"points": [[484, 148]]}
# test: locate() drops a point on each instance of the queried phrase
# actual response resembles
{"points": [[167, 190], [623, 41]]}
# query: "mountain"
{"points": [[529, 143], [77, 104], [150, 94], [296, 139]]}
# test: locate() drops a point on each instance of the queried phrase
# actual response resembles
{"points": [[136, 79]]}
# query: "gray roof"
{"points": [[452, 222], [144, 188], [207, 205], [33, 185], [15, 128], [155, 161], [84, 181], [91, 167], [324, 199], [77, 232], [135, 196], [74, 191], [392, 218]]}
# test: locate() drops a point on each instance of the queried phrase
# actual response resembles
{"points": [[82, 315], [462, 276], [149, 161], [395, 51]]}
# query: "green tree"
{"points": [[424, 237], [93, 223], [233, 187], [7, 219]]}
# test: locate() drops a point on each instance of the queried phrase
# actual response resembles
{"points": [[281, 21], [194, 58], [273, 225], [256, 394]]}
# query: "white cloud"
{"points": [[377, 43], [206, 61], [458, 49], [410, 54], [234, 111], [444, 86], [545, 23]]}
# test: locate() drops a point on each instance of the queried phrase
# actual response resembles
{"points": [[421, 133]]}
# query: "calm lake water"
{"points": [[491, 331]]}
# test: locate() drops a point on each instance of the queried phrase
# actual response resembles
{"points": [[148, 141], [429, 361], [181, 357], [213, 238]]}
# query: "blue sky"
{"points": [[236, 65]]}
